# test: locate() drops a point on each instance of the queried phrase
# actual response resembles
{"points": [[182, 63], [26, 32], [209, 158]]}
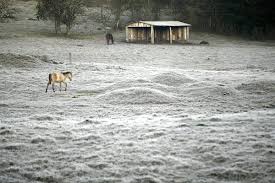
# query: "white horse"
{"points": [[59, 78]]}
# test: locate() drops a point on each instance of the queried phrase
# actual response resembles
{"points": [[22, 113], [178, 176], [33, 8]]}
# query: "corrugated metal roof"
{"points": [[167, 23]]}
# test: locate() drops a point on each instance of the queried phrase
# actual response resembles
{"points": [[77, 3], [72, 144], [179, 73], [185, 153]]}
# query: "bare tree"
{"points": [[51, 10], [71, 9]]}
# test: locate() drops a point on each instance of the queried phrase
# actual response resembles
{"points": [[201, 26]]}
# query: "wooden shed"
{"points": [[160, 31]]}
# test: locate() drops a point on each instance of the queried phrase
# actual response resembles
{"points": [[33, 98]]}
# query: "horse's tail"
{"points": [[50, 78]]}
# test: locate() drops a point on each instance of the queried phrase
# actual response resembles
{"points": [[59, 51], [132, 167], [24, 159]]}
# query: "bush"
{"points": [[5, 10]]}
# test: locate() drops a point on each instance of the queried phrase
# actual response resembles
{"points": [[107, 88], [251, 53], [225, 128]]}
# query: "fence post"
{"points": [[70, 57]]}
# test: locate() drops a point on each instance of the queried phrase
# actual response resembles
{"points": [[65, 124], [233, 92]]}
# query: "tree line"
{"points": [[253, 18]]}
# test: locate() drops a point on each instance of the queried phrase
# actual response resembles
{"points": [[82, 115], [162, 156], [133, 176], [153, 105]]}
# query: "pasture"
{"points": [[136, 112]]}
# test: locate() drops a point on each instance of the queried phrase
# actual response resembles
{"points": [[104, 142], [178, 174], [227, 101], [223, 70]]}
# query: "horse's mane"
{"points": [[66, 73]]}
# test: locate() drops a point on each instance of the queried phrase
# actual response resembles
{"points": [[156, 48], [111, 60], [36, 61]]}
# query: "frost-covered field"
{"points": [[137, 113], [134, 112]]}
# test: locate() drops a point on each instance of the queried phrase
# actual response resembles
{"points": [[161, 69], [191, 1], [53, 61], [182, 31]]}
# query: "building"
{"points": [[161, 31]]}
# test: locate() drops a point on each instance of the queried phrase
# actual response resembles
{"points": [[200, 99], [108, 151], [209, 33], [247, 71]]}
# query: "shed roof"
{"points": [[160, 24], [166, 23]]}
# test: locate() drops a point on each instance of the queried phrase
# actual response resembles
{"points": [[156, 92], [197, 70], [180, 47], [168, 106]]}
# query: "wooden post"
{"points": [[179, 34], [171, 35], [127, 35], [185, 33], [187, 30], [152, 35], [181, 37], [144, 34], [70, 57]]}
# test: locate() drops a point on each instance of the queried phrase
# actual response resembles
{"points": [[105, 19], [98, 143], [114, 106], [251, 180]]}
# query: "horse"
{"points": [[59, 78], [109, 37]]}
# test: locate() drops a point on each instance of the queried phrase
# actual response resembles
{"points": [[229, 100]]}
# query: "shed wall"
{"points": [[135, 33]]}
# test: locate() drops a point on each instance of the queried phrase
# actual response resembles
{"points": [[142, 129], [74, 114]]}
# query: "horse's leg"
{"points": [[53, 86], [60, 86], [47, 87], [65, 86], [49, 82]]}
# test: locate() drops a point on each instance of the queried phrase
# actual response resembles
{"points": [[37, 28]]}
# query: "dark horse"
{"points": [[109, 37]]}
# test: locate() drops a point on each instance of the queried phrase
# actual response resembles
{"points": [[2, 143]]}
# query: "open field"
{"points": [[136, 112]]}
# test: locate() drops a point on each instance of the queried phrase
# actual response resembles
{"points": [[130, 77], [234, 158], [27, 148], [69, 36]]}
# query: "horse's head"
{"points": [[68, 75]]}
